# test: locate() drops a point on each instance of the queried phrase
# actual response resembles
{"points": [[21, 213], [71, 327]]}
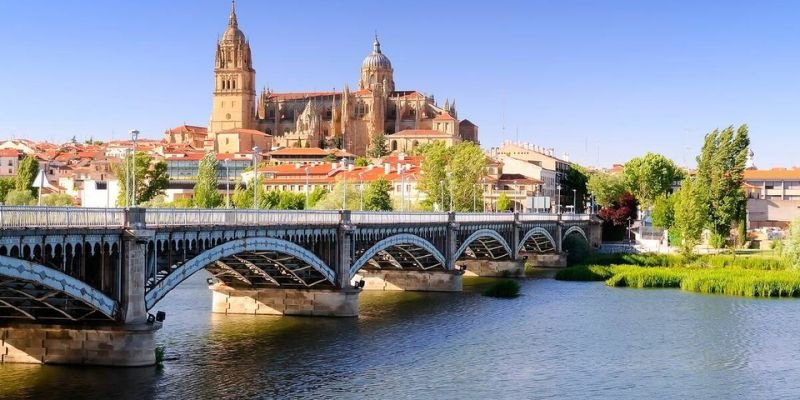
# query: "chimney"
{"points": [[399, 166], [333, 165], [370, 167], [350, 167], [387, 168]]}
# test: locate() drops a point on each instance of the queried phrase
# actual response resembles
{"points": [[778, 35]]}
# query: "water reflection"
{"points": [[559, 339]]}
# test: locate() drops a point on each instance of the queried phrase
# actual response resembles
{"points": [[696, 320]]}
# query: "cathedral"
{"points": [[348, 119]]}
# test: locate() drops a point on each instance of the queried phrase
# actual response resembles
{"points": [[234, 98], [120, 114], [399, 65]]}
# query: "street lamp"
{"points": [[361, 186], [227, 185], [558, 200], [134, 136], [450, 183], [574, 201], [306, 187], [441, 189], [127, 177], [256, 149], [483, 192], [344, 176]]}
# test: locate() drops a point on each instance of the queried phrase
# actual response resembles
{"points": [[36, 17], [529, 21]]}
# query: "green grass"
{"points": [[751, 276], [160, 355], [504, 288]]}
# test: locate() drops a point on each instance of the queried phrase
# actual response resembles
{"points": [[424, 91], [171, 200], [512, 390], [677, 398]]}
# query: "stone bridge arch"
{"points": [[212, 258], [487, 238], [405, 244], [45, 293]]}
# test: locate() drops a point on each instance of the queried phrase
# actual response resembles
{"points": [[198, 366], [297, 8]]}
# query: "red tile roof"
{"points": [[774, 173], [9, 153], [196, 130], [444, 117]]}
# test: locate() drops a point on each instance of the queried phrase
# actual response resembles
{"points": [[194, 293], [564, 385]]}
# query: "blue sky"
{"points": [[603, 81]]}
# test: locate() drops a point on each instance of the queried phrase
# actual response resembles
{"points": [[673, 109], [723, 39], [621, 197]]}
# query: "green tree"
{"points": [[378, 148], [151, 178], [315, 196], [663, 213], [6, 185], [361, 162], [242, 197], [333, 200], [455, 170], [503, 202], [26, 173], [206, 194], [57, 200], [376, 196], [690, 211], [791, 249], [20, 198], [649, 177], [576, 179], [720, 172], [605, 187]]}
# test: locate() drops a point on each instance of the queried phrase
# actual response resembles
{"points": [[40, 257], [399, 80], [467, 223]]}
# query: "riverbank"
{"points": [[751, 276]]}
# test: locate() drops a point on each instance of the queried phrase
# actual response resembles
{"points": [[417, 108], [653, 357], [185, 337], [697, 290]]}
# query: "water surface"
{"points": [[558, 340]]}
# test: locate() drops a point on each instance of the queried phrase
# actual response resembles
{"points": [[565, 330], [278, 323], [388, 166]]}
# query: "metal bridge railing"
{"points": [[388, 217], [194, 216], [21, 217]]}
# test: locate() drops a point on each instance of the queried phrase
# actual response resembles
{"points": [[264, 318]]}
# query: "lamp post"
{"points": [[441, 189], [127, 177], [574, 201], [306, 207], [134, 136], [558, 200], [256, 149], [361, 186], [402, 172], [474, 197], [483, 192], [344, 187], [227, 185], [450, 183]]}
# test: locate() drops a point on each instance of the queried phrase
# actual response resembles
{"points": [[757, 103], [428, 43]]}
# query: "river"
{"points": [[557, 340]]}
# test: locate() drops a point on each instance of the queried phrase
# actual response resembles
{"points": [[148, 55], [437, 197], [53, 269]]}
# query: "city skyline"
{"points": [[671, 72]]}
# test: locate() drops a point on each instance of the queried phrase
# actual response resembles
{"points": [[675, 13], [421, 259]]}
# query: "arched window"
{"points": [[234, 84], [394, 145]]}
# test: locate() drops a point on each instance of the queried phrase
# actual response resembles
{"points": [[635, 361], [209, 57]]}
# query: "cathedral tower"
{"points": [[376, 69], [234, 81]]}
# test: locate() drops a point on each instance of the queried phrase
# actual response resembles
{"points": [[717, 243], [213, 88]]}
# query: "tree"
{"points": [[20, 198], [503, 202], [333, 200], [378, 148], [6, 185], [57, 200], [649, 177], [26, 173], [338, 142], [376, 197], [315, 196], [720, 172], [242, 197], [151, 178], [690, 211], [605, 187], [663, 213], [576, 179], [617, 216], [791, 250], [361, 162], [456, 169], [206, 194]]}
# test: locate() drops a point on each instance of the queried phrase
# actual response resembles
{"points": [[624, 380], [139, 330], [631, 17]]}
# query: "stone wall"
{"points": [[547, 260], [316, 302], [508, 268], [113, 346], [424, 281]]}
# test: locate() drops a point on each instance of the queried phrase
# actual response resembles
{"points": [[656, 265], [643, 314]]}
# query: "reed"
{"points": [[504, 288]]}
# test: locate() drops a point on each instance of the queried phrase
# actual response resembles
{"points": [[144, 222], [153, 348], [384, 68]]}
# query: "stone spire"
{"points": [[232, 22], [376, 45]]}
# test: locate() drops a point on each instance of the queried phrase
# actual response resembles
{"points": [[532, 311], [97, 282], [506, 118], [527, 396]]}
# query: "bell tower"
{"points": [[234, 81]]}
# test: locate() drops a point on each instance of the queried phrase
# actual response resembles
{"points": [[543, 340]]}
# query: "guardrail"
{"points": [[22, 217], [388, 217], [155, 217]]}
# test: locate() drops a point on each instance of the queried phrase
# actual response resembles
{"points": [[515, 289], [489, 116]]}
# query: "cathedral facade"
{"points": [[347, 119]]}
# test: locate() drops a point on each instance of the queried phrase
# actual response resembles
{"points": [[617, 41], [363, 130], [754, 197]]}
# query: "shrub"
{"points": [[504, 288]]}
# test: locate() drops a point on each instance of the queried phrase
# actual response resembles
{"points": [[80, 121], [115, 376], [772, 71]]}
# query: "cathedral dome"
{"points": [[376, 59], [233, 34]]}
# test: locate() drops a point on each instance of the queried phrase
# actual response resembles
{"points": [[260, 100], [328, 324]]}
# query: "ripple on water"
{"points": [[557, 340]]}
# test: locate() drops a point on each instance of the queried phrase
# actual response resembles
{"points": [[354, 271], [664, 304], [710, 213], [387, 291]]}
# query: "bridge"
{"points": [[77, 285]]}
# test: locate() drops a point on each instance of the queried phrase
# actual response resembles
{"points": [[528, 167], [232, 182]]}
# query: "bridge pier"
{"points": [[494, 268], [421, 281], [123, 346], [547, 260], [269, 301]]}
